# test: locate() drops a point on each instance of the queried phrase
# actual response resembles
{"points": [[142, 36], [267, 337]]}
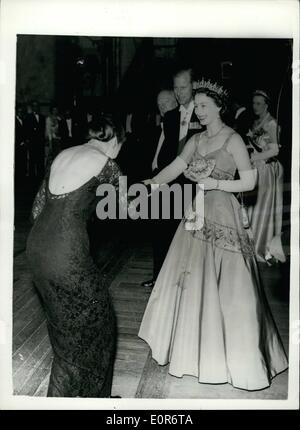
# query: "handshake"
{"points": [[197, 171]]}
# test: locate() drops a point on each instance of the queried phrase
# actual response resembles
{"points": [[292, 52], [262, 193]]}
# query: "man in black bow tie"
{"points": [[179, 125], [20, 146], [34, 124]]}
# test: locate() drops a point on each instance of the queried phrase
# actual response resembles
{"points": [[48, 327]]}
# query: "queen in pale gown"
{"points": [[208, 315], [265, 215]]}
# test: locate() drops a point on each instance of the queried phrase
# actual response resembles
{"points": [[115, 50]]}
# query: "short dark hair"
{"points": [[182, 70], [107, 127]]}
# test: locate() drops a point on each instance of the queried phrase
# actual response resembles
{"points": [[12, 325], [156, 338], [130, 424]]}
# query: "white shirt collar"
{"points": [[189, 108]]}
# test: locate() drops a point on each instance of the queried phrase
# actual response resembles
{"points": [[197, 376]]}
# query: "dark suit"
{"points": [[137, 152], [66, 140], [243, 123], [171, 146], [35, 138], [164, 230], [20, 150]]}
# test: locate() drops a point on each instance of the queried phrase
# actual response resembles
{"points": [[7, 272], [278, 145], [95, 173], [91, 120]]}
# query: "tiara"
{"points": [[261, 93], [214, 87]]}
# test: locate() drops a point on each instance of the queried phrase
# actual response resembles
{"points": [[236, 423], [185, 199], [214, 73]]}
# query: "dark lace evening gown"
{"points": [[80, 316]]}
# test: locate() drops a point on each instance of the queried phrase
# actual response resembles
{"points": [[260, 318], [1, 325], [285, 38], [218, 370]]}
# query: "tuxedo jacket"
{"points": [[19, 132], [171, 145], [243, 124], [64, 131], [35, 130]]}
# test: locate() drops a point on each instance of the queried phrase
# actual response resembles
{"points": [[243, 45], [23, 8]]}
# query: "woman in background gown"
{"points": [[265, 214]]}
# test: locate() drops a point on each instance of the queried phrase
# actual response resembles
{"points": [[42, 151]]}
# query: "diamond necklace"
{"points": [[216, 134]]}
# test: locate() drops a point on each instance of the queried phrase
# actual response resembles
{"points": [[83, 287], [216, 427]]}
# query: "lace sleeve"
{"points": [[40, 199], [115, 174]]}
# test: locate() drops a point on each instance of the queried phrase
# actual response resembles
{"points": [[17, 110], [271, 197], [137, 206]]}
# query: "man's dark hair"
{"points": [[181, 70]]}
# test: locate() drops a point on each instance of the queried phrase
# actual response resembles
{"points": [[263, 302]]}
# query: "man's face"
{"points": [[166, 102], [35, 107], [183, 88]]}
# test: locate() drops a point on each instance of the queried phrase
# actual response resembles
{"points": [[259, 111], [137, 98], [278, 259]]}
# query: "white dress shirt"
{"points": [[185, 117], [69, 124], [159, 145]]}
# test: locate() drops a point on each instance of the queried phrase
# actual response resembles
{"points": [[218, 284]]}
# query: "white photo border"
{"points": [[156, 18]]}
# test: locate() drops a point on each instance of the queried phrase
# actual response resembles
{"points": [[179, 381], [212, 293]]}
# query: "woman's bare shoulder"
{"points": [[74, 167], [84, 155], [234, 140]]}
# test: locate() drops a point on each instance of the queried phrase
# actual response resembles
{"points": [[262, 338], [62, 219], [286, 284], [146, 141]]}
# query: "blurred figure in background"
{"points": [[20, 146], [69, 129], [166, 101], [53, 138], [135, 157], [34, 126], [265, 215], [242, 118]]}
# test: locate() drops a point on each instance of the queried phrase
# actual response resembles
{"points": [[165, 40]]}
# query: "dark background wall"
{"points": [[125, 74], [133, 69]]}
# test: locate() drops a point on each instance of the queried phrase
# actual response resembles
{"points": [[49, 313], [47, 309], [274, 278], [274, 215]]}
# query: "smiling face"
{"points": [[259, 105], [183, 88], [206, 109]]}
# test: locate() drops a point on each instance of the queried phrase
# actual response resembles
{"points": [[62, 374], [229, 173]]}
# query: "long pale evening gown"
{"points": [[208, 315], [265, 215]]}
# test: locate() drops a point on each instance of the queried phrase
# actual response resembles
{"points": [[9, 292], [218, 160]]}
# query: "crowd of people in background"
{"points": [[39, 138], [153, 138]]}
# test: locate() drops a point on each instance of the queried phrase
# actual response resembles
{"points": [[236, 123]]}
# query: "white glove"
{"points": [[246, 182]]}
